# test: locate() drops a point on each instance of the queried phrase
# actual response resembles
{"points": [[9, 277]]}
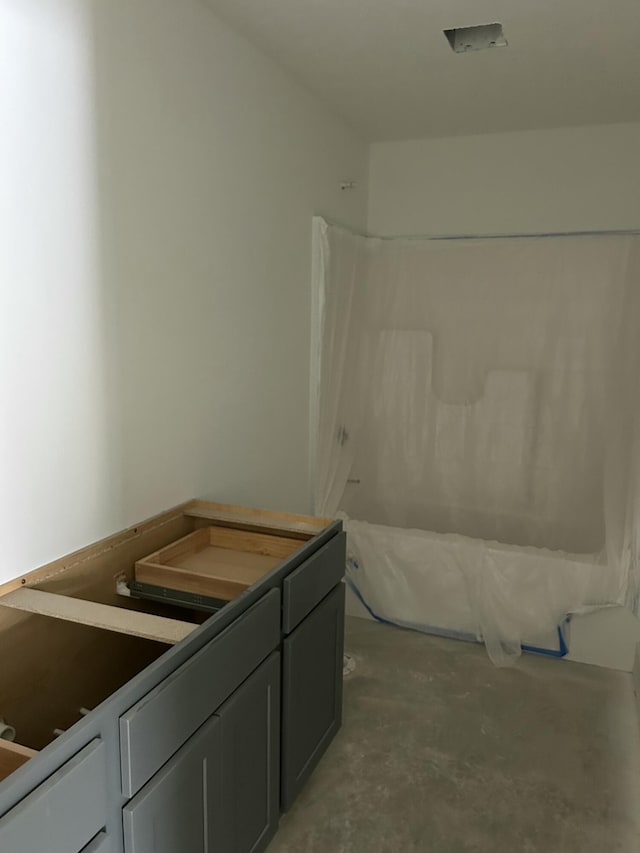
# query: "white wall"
{"points": [[537, 181], [158, 179]]}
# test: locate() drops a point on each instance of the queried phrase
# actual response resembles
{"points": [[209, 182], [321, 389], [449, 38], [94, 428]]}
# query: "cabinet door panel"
{"points": [[64, 813], [312, 692], [179, 809], [250, 731]]}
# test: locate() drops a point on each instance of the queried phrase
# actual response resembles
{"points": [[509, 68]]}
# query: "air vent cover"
{"points": [[463, 39]]}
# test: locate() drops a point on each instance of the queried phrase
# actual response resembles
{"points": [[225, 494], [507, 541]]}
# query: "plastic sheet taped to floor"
{"points": [[507, 596]]}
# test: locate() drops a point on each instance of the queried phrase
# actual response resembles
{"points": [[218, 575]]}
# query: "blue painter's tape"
{"points": [[425, 629], [560, 652]]}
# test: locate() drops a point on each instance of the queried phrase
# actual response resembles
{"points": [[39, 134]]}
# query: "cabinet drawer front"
{"points": [[157, 726], [309, 583], [64, 813], [179, 810]]}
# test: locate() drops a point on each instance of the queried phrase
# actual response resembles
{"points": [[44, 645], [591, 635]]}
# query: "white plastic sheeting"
{"points": [[505, 595], [486, 389]]}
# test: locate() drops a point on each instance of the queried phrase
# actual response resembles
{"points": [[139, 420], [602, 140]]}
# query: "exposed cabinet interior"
{"points": [[70, 641], [53, 668], [12, 756]]}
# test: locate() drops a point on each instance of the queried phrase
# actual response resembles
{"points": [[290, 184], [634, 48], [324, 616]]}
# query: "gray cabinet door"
{"points": [[250, 729], [311, 692], [179, 809]]}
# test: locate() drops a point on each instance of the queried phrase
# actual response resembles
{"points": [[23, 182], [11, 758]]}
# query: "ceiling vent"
{"points": [[463, 39]]}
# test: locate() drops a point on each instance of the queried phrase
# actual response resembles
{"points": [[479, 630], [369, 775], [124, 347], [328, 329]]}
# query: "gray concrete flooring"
{"points": [[442, 752]]}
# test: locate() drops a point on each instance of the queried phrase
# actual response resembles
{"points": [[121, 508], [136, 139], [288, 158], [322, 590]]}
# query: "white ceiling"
{"points": [[386, 66]]}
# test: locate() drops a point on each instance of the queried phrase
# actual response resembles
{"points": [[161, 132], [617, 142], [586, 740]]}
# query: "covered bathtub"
{"points": [[508, 597], [476, 417]]}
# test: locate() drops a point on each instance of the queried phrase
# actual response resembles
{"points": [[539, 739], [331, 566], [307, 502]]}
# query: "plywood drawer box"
{"points": [[218, 563]]}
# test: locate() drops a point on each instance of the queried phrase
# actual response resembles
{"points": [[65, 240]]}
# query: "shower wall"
{"points": [[487, 385]]}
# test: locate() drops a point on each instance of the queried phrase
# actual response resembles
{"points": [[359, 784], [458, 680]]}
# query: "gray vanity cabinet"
{"points": [[312, 691], [204, 746]]}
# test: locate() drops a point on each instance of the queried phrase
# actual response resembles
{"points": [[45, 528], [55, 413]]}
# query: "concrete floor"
{"points": [[443, 753]]}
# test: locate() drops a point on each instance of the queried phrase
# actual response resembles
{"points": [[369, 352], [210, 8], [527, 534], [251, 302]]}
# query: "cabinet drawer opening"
{"points": [[54, 671], [215, 561]]}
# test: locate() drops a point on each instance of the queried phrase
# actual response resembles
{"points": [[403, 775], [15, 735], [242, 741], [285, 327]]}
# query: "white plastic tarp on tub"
{"points": [[477, 411], [504, 595]]}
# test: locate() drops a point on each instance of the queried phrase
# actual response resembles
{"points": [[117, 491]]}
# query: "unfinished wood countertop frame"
{"points": [[95, 615], [261, 537], [198, 510]]}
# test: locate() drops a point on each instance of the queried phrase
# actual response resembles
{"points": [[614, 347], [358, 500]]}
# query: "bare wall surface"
{"points": [[159, 178], [582, 178]]}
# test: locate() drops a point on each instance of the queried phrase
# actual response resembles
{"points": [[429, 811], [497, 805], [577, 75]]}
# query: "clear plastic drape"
{"points": [[486, 389]]}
